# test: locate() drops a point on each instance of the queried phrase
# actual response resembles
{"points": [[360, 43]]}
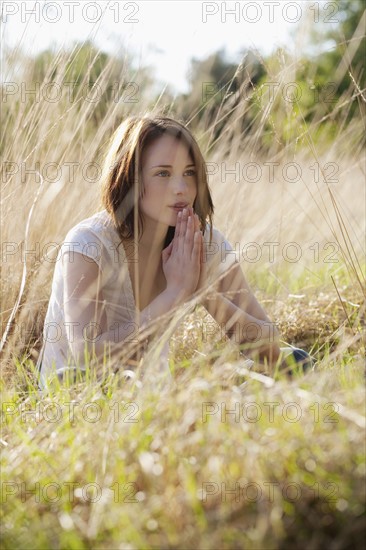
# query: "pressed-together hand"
{"points": [[182, 258], [203, 270]]}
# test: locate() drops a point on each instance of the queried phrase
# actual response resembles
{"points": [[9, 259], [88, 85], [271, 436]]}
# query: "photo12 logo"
{"points": [[270, 12], [273, 172], [93, 412], [267, 92], [70, 92], [253, 412], [270, 491], [69, 491], [71, 11]]}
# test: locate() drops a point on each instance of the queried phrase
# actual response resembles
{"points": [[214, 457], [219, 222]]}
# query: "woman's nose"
{"points": [[179, 184]]}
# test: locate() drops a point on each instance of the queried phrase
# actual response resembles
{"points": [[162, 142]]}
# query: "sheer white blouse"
{"points": [[96, 238]]}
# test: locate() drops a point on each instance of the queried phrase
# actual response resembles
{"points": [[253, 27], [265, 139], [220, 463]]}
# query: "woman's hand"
{"points": [[182, 258], [202, 281]]}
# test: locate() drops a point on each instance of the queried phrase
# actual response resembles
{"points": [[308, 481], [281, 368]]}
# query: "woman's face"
{"points": [[169, 176]]}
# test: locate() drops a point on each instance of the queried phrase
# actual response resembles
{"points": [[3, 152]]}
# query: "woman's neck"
{"points": [[147, 250], [153, 237]]}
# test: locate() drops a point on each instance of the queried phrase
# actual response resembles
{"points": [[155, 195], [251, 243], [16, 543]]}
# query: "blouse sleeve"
{"points": [[220, 255], [84, 241]]}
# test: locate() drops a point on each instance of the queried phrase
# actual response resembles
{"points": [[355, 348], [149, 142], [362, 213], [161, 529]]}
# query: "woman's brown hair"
{"points": [[121, 176]]}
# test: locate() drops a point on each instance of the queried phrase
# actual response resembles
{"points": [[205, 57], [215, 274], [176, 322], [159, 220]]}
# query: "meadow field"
{"points": [[224, 456]]}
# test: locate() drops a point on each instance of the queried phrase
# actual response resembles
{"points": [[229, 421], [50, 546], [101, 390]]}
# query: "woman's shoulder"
{"points": [[98, 224], [217, 235], [94, 237], [220, 252]]}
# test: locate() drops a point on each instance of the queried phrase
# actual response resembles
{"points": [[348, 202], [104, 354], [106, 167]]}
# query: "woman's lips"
{"points": [[177, 208]]}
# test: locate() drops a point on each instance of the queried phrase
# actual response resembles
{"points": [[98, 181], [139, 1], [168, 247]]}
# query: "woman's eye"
{"points": [[191, 172]]}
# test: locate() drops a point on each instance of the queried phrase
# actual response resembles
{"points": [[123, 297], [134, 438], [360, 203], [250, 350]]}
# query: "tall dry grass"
{"points": [[320, 210], [171, 452]]}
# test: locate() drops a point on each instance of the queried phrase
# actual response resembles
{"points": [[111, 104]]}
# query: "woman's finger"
{"points": [[183, 230], [177, 231], [189, 237], [178, 224], [196, 251]]}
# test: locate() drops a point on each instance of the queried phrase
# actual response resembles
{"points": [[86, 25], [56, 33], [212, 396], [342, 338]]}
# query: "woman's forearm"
{"points": [[166, 301], [261, 337], [130, 332]]}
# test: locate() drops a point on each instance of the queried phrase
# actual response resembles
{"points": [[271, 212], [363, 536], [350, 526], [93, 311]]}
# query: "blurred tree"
{"points": [[87, 73], [323, 89], [278, 96], [340, 69], [89, 77], [218, 88]]}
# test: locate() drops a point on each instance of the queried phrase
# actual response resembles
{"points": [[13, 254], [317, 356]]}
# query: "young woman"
{"points": [[150, 250]]}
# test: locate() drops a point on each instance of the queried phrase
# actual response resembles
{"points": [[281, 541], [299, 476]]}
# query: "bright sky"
{"points": [[162, 34]]}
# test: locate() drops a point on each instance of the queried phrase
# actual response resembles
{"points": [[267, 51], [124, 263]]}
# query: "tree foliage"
{"points": [[327, 86]]}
